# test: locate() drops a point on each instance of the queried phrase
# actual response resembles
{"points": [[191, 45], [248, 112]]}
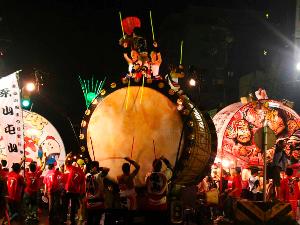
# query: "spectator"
{"points": [[289, 190]]}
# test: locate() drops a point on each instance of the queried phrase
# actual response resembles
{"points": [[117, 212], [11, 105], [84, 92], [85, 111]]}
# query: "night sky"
{"points": [[67, 38]]}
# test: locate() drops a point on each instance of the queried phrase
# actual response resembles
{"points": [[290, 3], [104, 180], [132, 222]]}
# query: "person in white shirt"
{"points": [[254, 184]]}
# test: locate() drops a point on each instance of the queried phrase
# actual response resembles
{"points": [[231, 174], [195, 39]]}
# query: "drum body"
{"points": [[144, 123]]}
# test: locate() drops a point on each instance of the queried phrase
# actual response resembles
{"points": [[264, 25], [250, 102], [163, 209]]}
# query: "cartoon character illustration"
{"points": [[36, 124], [30, 149], [51, 147]]}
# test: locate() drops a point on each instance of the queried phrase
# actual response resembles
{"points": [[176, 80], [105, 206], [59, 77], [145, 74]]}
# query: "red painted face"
{"points": [[243, 131]]}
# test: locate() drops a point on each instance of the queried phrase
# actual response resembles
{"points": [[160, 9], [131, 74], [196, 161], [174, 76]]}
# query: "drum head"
{"points": [[140, 123]]}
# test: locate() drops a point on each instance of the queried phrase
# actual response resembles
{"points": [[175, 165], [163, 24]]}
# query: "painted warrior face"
{"points": [[243, 131], [276, 123]]}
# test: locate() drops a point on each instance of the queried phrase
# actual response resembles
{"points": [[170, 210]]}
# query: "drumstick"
{"points": [[141, 99], [153, 37], [121, 24], [132, 147], [154, 149], [181, 46], [92, 148]]}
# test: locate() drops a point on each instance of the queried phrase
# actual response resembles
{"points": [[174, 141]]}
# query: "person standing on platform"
{"points": [[253, 185], [156, 60], [278, 164]]}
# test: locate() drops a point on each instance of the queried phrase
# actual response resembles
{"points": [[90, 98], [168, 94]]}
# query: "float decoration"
{"points": [[91, 88], [40, 136], [107, 130], [237, 124]]}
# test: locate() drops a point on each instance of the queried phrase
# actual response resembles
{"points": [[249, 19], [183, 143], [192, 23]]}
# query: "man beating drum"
{"points": [[157, 189], [157, 184], [126, 184]]}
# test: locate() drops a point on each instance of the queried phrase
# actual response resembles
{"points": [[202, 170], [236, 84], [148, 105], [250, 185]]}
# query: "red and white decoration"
{"points": [[11, 123]]}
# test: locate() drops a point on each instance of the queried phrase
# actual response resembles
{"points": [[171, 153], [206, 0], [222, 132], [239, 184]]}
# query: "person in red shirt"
{"points": [[236, 190], [74, 188], [234, 194], [289, 190], [15, 187], [32, 189], [53, 193]]}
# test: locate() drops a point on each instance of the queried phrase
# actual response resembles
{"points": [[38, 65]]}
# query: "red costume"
{"points": [[51, 181], [32, 181], [15, 184], [75, 180], [290, 192]]}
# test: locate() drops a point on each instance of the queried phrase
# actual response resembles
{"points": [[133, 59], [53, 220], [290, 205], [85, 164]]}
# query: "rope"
{"points": [[128, 93], [143, 84]]}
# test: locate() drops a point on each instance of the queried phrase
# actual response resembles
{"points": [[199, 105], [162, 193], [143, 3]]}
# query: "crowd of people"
{"points": [[227, 187], [82, 194]]}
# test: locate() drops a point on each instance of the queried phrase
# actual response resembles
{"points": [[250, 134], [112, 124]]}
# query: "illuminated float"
{"points": [[40, 136], [142, 117], [145, 122], [237, 124]]}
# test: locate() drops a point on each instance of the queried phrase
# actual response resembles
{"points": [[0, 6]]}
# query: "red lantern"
{"points": [[129, 23]]}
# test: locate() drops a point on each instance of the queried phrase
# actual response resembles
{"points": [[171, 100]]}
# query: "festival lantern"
{"points": [[40, 136], [129, 23], [238, 123]]}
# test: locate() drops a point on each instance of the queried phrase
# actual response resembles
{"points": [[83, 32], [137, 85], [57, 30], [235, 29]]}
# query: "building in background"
{"points": [[234, 49]]}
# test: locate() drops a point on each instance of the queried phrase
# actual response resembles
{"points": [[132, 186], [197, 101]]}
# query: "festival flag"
{"points": [[11, 123]]}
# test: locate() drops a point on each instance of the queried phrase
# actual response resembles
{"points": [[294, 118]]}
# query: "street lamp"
{"points": [[30, 86], [192, 82]]}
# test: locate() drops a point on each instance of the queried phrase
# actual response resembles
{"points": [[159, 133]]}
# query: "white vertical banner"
{"points": [[11, 122]]}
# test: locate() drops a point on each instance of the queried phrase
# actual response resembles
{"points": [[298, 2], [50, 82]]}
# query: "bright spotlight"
{"points": [[225, 163], [30, 86], [298, 66], [192, 82]]}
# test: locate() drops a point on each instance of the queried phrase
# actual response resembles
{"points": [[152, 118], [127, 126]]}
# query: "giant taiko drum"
{"points": [[144, 123]]}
